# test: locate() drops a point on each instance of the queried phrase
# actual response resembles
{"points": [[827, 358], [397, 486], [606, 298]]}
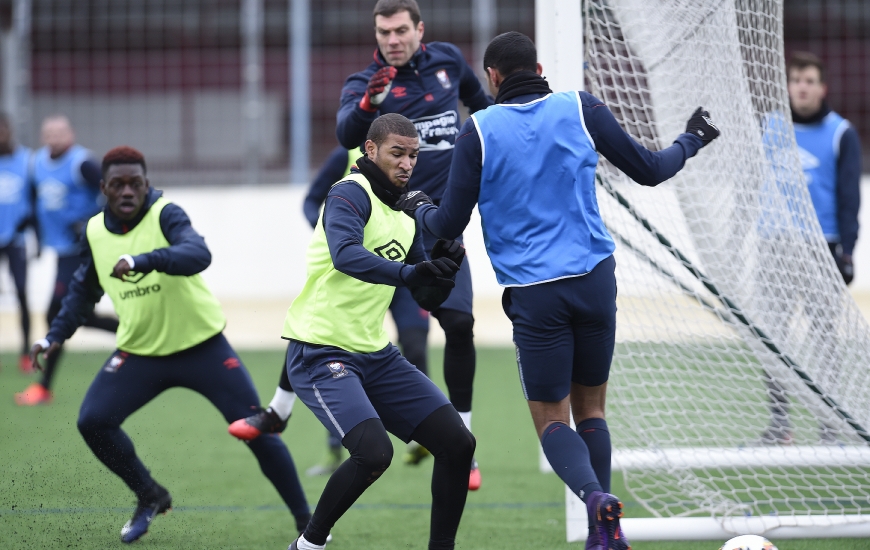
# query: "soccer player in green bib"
{"points": [[143, 252], [340, 360]]}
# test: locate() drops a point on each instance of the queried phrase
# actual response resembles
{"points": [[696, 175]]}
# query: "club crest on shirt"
{"points": [[443, 79], [116, 362], [337, 369]]}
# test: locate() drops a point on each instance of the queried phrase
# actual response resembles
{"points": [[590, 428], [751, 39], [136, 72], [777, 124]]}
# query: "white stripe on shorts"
{"points": [[328, 412], [520, 367]]}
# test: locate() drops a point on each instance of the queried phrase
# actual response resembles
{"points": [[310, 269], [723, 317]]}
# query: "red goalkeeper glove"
{"points": [[379, 86]]}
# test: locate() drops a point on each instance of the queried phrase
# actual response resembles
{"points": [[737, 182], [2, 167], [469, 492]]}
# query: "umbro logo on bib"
{"points": [[393, 251]]}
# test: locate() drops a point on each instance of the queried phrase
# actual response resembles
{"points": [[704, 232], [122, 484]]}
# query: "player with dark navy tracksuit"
{"points": [[423, 82], [529, 163], [16, 210], [340, 360], [67, 180], [412, 324], [143, 252]]}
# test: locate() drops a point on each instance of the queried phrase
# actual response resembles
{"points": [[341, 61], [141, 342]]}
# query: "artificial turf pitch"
{"points": [[55, 494]]}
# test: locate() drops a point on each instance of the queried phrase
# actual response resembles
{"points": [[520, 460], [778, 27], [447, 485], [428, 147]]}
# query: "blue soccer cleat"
{"points": [[605, 533], [159, 502]]}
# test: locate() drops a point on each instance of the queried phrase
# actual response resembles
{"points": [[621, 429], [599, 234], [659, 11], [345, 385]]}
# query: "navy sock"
{"points": [[569, 458], [597, 438]]}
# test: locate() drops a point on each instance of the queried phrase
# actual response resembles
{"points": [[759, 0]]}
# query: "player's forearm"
{"points": [[83, 294], [352, 124], [849, 189], [185, 258]]}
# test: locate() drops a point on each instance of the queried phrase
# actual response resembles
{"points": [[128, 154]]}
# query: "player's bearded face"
{"points": [[806, 90], [396, 158], [125, 187], [398, 38]]}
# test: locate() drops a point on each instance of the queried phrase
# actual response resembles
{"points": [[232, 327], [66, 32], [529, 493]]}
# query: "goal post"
{"points": [[733, 321]]}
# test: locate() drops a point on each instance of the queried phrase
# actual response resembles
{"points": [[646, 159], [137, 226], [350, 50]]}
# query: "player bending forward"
{"points": [[340, 360], [529, 163], [144, 253]]}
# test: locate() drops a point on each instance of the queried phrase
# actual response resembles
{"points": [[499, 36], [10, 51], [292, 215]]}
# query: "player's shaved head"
{"points": [[391, 123], [511, 52]]}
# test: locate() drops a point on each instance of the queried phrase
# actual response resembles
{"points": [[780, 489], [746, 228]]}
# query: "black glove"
{"points": [[437, 272], [847, 268], [379, 84], [701, 125], [452, 250], [411, 201]]}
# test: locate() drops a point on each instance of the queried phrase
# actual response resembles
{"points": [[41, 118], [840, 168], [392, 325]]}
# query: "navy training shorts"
{"points": [[564, 331], [343, 388]]}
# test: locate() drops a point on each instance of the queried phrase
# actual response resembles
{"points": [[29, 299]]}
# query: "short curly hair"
{"points": [[123, 155]]}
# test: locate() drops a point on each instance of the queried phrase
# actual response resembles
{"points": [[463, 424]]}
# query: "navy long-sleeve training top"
{"points": [[345, 214], [187, 254], [639, 163], [849, 188], [426, 90]]}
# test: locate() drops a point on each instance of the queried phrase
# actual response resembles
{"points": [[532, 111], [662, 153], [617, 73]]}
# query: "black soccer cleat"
{"points": [[159, 502], [264, 422]]}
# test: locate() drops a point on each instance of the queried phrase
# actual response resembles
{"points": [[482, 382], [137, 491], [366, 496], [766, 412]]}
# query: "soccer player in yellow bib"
{"points": [[145, 255], [340, 360]]}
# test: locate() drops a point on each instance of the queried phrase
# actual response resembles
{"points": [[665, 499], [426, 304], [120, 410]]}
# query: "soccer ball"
{"points": [[748, 542]]}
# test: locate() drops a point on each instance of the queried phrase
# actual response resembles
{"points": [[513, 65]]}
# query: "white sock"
{"points": [[303, 544], [466, 418], [282, 403]]}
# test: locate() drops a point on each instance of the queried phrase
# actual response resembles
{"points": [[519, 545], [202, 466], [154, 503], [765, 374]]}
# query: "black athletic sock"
{"points": [[24, 312], [115, 449], [278, 467], [413, 344], [371, 452], [444, 434], [569, 457], [459, 356], [49, 368], [595, 434], [778, 400]]}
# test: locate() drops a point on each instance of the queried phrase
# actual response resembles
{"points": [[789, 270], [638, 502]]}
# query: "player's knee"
{"points": [[90, 424], [457, 325], [370, 446], [413, 342]]}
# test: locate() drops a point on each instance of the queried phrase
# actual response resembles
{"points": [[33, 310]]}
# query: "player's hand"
{"points": [[847, 268], [379, 86], [452, 250], [701, 125], [44, 348], [411, 201], [121, 269], [437, 272]]}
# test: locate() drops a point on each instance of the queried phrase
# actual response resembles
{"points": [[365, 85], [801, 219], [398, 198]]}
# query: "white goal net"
{"points": [[740, 385]]}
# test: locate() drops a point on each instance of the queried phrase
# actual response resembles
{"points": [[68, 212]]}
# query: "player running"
{"points": [[16, 210], [340, 361], [144, 253], [412, 324], [528, 162], [423, 82], [67, 180]]}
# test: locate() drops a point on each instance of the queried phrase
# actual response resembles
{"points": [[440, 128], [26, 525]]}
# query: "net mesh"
{"points": [[738, 345]]}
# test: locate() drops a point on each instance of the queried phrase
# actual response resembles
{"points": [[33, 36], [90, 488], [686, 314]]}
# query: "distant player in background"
{"points": [[67, 180], [340, 360], [143, 252], [830, 152], [16, 210], [529, 163], [423, 82], [412, 324]]}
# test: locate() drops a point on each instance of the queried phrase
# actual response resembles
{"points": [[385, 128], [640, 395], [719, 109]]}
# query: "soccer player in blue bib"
{"points": [[143, 252], [340, 360], [16, 209], [67, 180], [412, 324], [830, 154], [423, 82], [529, 162]]}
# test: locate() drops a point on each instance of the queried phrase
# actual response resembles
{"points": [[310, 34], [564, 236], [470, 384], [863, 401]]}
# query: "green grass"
{"points": [[55, 494]]}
